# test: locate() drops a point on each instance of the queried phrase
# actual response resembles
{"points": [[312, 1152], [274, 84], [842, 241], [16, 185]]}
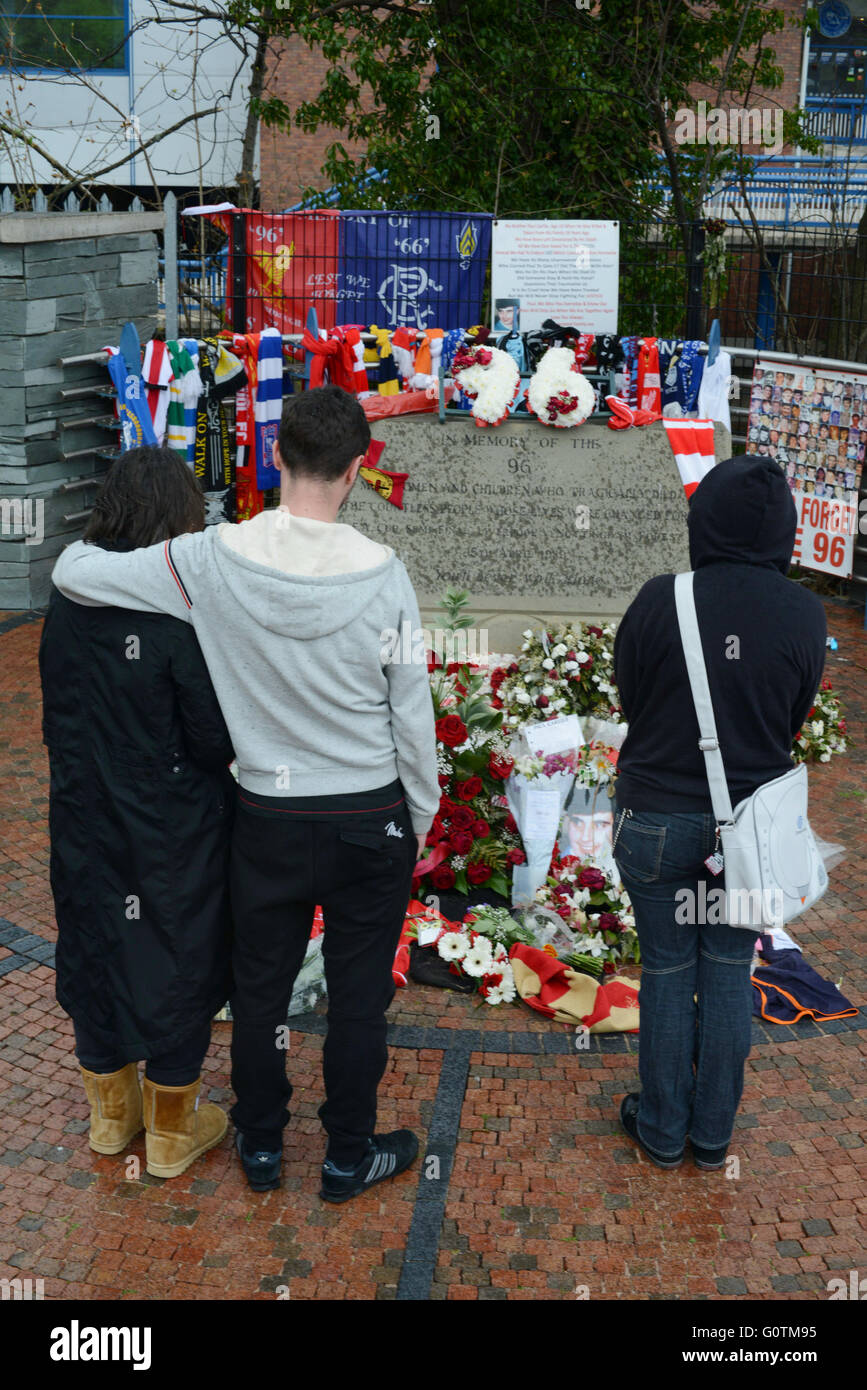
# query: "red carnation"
{"points": [[461, 841], [496, 702], [478, 873], [462, 818], [481, 829], [451, 730], [516, 856], [469, 788], [513, 669], [498, 675], [542, 702], [443, 877], [608, 968], [592, 879], [812, 712], [596, 631], [500, 767]]}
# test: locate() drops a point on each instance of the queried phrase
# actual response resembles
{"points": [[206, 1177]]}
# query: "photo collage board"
{"points": [[814, 424]]}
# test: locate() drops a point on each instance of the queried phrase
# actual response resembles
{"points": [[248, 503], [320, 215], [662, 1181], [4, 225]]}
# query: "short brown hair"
{"points": [[321, 432]]}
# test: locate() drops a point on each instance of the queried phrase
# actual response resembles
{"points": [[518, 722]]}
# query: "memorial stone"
{"points": [[537, 523]]}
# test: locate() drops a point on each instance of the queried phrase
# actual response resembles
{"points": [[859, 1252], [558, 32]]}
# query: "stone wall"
{"points": [[68, 283], [537, 523]]}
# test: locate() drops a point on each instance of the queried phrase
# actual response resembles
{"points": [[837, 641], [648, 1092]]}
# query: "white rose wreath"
{"points": [[491, 380], [558, 393]]}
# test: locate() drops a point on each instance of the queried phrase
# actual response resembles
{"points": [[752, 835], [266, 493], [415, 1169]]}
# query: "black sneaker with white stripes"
{"points": [[389, 1155]]}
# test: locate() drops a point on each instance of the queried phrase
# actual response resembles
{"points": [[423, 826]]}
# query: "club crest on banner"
{"points": [[401, 292], [467, 242]]}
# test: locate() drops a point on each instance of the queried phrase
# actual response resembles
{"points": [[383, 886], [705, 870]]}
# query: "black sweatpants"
{"points": [[354, 855]]}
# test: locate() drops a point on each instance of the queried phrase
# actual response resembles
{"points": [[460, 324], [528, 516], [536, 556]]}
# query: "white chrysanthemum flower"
{"points": [[824, 757], [582, 657], [528, 632], [453, 945], [570, 665], [521, 696], [818, 727], [547, 690], [559, 650], [479, 958], [548, 664]]}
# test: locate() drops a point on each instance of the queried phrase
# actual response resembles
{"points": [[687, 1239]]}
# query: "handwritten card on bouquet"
{"points": [[554, 735], [541, 814]]}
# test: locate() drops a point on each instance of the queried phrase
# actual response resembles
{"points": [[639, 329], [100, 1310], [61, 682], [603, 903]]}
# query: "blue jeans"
{"points": [[696, 996]]}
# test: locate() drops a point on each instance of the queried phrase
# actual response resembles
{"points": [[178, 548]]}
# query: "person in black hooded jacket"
{"points": [[763, 639], [139, 817]]}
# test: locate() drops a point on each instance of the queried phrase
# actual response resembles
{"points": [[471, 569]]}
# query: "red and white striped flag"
{"points": [[692, 445]]}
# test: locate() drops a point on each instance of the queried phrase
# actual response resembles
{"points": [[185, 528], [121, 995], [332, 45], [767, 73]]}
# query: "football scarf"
{"points": [[268, 406], [136, 426], [389, 485], [185, 388], [567, 996], [649, 394], [222, 375], [388, 383], [693, 448], [156, 374]]}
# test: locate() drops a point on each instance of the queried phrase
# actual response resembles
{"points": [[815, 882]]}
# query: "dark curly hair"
{"points": [[148, 495]]}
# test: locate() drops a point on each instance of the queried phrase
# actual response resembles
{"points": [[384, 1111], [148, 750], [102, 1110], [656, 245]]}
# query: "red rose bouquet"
{"points": [[595, 907], [473, 840]]}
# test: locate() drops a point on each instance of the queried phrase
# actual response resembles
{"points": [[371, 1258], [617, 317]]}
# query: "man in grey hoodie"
{"points": [[337, 770]]}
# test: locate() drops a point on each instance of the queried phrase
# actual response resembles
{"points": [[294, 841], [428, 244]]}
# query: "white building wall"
{"points": [[87, 121]]}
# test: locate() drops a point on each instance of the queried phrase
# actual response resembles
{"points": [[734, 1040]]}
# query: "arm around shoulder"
{"points": [[152, 580]]}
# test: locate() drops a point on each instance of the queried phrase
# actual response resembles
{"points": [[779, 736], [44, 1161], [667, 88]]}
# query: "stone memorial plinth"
{"points": [[537, 523]]}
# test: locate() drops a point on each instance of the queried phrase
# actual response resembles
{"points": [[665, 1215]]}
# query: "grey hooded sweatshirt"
{"points": [[296, 620]]}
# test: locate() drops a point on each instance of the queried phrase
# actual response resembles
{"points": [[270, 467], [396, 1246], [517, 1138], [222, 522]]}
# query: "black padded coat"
{"points": [[140, 809]]}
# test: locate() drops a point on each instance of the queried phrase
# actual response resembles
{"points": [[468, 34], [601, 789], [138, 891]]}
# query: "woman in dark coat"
{"points": [[140, 807], [763, 641]]}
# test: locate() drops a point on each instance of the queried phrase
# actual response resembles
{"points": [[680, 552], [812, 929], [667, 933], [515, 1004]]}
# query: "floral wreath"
{"points": [[490, 378], [558, 393]]}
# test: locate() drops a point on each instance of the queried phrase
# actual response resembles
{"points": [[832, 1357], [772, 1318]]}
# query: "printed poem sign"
{"points": [[563, 270]]}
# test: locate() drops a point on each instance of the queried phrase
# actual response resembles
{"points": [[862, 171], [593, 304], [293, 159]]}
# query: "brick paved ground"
{"points": [[545, 1196]]}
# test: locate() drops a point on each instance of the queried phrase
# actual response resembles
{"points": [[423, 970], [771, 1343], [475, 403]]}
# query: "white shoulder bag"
{"points": [[773, 868]]}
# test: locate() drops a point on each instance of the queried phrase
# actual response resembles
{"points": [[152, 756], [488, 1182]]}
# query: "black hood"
{"points": [[742, 512]]}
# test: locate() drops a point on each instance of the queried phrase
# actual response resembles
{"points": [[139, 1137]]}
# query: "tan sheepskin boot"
{"points": [[115, 1107], [178, 1128]]}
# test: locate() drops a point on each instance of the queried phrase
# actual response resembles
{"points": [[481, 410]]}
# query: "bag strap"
{"points": [[690, 636]]}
